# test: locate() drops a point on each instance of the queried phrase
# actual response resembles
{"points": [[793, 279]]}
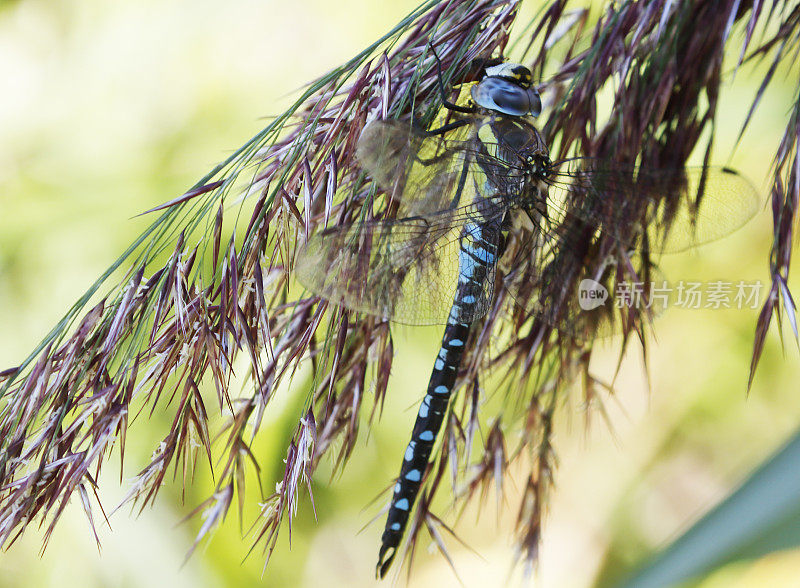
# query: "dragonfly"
{"points": [[459, 190]]}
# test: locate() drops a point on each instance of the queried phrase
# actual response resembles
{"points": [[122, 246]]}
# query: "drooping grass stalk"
{"points": [[202, 291]]}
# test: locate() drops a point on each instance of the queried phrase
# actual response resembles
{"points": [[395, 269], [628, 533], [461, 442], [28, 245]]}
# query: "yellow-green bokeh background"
{"points": [[110, 108]]}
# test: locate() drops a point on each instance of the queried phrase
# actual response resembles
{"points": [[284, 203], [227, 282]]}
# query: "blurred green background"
{"points": [[110, 108]]}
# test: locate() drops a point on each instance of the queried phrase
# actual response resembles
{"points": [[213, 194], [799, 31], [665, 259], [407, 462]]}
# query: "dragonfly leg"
{"points": [[446, 128], [445, 102]]}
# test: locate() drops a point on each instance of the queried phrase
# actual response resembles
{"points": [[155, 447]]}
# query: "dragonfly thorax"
{"points": [[538, 165], [507, 89]]}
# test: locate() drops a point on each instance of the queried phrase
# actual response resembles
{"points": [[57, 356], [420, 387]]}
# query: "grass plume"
{"points": [[200, 292]]}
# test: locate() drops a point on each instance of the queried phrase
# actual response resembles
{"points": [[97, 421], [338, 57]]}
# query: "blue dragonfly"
{"points": [[461, 190]]}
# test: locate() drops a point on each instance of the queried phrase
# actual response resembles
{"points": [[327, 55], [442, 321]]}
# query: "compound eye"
{"points": [[506, 97]]}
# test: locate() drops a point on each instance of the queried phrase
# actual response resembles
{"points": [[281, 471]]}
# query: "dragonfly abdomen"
{"points": [[478, 253]]}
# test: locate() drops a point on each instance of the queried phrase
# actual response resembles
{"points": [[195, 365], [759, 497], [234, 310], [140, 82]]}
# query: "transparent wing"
{"points": [[405, 270], [426, 174], [553, 270], [673, 209], [422, 173], [556, 270]]}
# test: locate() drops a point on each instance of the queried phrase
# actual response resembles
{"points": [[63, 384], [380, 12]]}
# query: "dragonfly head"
{"points": [[506, 88]]}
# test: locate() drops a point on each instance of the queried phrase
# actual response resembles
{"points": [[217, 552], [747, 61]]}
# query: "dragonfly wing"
{"points": [[554, 270], [714, 203], [405, 270], [541, 267], [385, 149], [425, 174], [675, 209], [551, 271]]}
